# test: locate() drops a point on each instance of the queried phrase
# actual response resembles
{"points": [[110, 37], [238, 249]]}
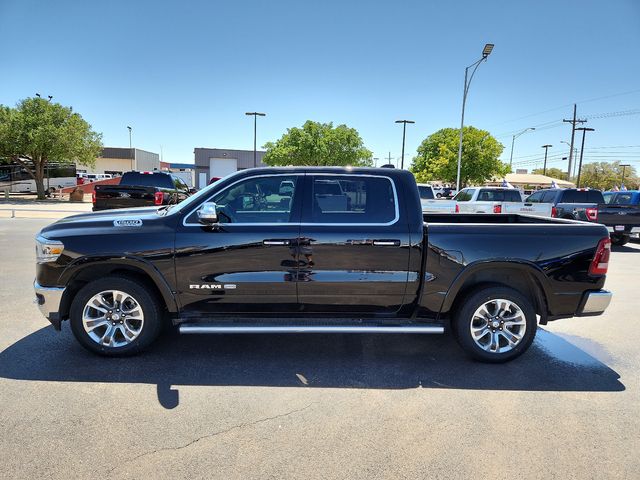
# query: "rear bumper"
{"points": [[626, 231], [48, 300], [594, 302]]}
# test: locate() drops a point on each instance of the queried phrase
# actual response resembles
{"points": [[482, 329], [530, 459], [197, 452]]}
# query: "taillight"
{"points": [[554, 212], [592, 214], [158, 198], [600, 262], [457, 208], [497, 209], [93, 196]]}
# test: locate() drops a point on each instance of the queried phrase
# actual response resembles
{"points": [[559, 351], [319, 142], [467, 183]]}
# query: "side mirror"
{"points": [[208, 213]]}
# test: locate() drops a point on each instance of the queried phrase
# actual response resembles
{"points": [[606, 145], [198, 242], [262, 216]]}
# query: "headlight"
{"points": [[47, 250]]}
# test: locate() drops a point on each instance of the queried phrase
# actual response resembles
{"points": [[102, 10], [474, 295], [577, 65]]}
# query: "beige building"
{"points": [[116, 161]]}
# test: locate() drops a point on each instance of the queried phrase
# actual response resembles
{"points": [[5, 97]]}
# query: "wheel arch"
{"points": [[84, 270], [521, 276]]}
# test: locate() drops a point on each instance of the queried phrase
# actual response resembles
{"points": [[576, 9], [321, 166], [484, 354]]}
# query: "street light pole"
{"points": [[513, 140], [584, 132], [255, 132], [546, 148], [404, 131], [624, 169], [130, 148], [486, 51]]}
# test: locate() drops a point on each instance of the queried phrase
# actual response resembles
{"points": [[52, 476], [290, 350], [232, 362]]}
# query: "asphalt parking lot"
{"points": [[317, 406]]}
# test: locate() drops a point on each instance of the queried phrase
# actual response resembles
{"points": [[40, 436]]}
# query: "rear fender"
{"points": [[531, 274]]}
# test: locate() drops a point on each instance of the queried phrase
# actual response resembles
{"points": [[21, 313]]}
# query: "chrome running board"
{"points": [[235, 328]]}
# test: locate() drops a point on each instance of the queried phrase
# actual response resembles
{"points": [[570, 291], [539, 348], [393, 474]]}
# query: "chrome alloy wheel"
{"points": [[498, 326], [112, 318]]}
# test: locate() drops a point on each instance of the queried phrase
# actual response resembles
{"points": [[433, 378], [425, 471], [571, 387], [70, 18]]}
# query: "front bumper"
{"points": [[48, 300], [594, 302]]}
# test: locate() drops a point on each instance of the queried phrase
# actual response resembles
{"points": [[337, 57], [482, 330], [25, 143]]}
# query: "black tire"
{"points": [[464, 316], [145, 298], [619, 240]]}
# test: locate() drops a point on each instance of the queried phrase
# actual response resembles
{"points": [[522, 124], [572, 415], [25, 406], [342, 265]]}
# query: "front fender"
{"points": [[82, 264]]}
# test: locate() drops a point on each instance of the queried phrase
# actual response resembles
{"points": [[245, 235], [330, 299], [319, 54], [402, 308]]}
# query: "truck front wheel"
{"points": [[495, 324], [115, 316]]}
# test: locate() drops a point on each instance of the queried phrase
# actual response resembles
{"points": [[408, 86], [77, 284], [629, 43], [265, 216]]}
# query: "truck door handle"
{"points": [[276, 242], [386, 243]]}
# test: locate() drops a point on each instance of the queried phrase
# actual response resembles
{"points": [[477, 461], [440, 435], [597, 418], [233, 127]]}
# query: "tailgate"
{"points": [[120, 196], [535, 209], [620, 217]]}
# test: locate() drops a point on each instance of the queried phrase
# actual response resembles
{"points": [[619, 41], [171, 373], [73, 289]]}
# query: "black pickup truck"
{"points": [[140, 189], [277, 250], [621, 215]]}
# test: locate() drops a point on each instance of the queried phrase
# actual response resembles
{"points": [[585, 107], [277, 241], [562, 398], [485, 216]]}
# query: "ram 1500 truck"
{"points": [[317, 250], [140, 189]]}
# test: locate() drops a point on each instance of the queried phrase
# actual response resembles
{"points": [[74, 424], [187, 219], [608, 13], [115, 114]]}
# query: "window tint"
{"points": [[464, 195], [425, 192], [486, 195], [535, 198], [622, 199], [595, 196], [179, 183], [344, 199], [138, 179], [257, 200], [582, 196], [549, 196], [607, 197]]}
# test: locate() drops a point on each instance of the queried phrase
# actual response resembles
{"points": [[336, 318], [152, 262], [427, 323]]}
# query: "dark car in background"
{"points": [[621, 214], [141, 189], [570, 203]]}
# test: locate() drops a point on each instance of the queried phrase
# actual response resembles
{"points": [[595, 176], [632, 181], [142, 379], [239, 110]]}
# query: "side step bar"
{"points": [[231, 328]]}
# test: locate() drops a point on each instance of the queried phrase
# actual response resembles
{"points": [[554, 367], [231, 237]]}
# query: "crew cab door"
{"points": [[248, 261], [353, 249]]}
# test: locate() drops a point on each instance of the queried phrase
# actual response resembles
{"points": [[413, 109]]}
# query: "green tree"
{"points": [[318, 144], [38, 131], [605, 175], [552, 172], [437, 157]]}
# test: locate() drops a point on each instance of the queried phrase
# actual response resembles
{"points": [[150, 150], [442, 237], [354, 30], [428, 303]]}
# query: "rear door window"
{"points": [[425, 192], [549, 196], [352, 200], [465, 195], [622, 199]]}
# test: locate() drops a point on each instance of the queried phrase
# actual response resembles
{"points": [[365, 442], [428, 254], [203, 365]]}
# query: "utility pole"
{"points": [[513, 141], [624, 169], [404, 132], [255, 132], [130, 148], [375, 161], [389, 158], [573, 133], [546, 149], [584, 131]]}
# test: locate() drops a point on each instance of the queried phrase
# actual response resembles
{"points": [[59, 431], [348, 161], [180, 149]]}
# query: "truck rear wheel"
{"points": [[115, 316], [495, 324], [619, 240]]}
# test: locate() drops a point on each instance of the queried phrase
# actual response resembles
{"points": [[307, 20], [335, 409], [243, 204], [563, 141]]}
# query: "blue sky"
{"points": [[182, 74]]}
